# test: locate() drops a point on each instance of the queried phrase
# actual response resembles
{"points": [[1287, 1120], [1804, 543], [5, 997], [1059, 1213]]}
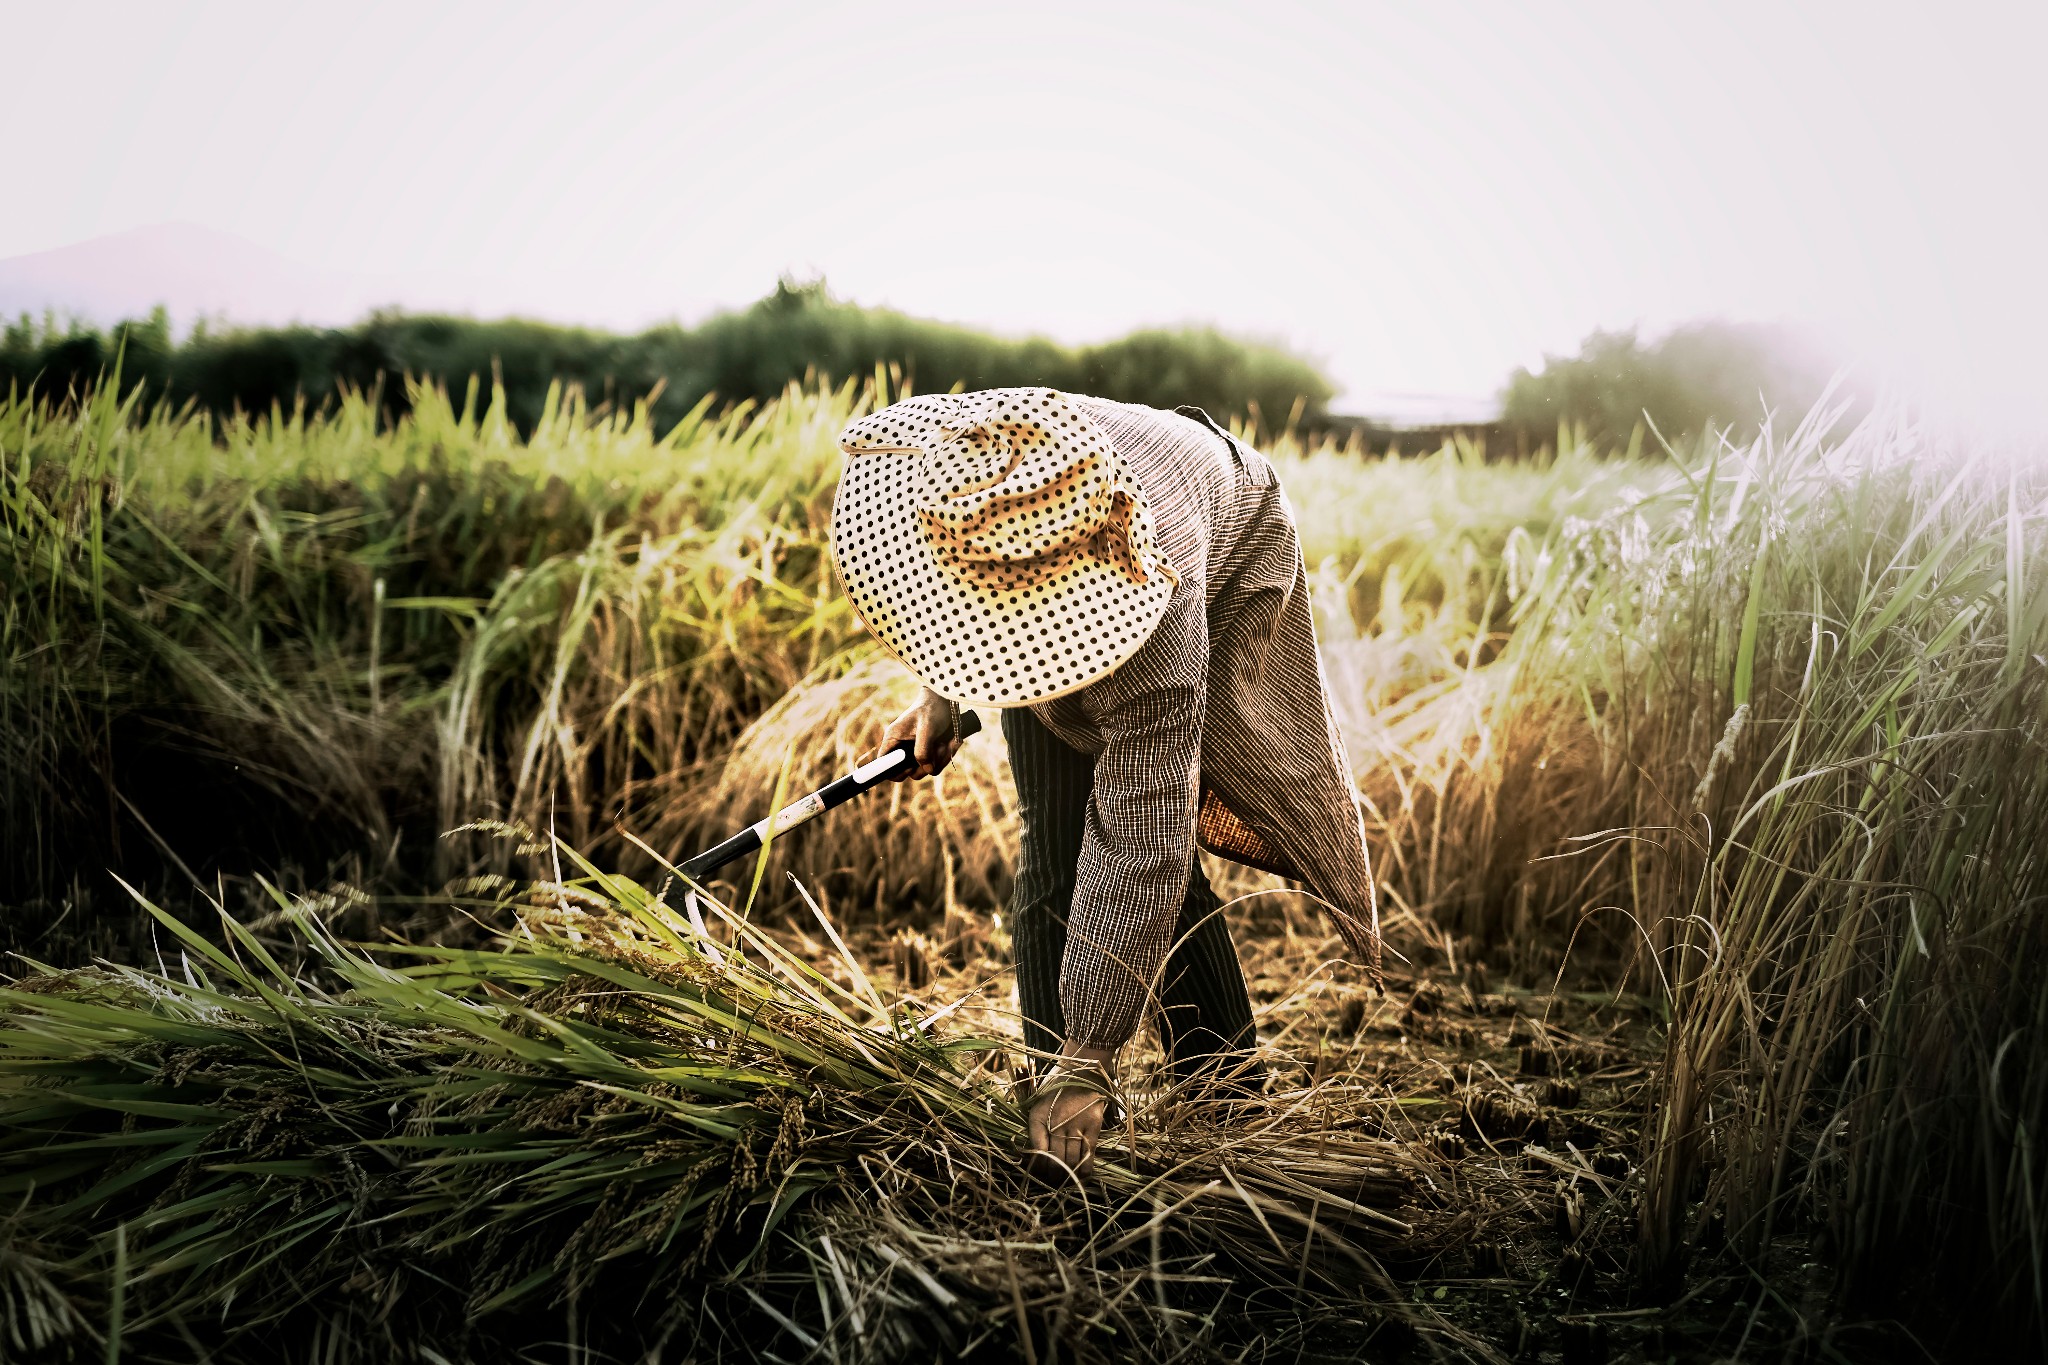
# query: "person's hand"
{"points": [[1066, 1117], [929, 722]]}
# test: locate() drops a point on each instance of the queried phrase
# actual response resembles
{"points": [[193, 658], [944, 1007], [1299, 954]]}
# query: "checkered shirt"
{"points": [[1219, 729]]}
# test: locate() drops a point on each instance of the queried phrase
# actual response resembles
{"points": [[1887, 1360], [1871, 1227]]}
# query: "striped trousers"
{"points": [[1205, 1014]]}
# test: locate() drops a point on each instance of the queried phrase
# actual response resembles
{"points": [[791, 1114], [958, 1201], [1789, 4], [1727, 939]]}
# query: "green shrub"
{"points": [[1706, 374]]}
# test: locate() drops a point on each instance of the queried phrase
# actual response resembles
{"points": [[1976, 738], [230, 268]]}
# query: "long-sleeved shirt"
{"points": [[1218, 728]]}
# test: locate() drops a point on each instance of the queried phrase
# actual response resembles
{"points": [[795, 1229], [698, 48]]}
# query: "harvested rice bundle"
{"points": [[610, 1129]]}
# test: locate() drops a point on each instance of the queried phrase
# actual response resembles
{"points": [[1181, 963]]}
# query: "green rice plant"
{"points": [[1813, 675], [1408, 537], [1762, 740], [296, 638], [318, 642], [617, 1131]]}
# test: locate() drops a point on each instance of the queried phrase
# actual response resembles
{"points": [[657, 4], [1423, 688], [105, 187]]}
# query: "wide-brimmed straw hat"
{"points": [[997, 544]]}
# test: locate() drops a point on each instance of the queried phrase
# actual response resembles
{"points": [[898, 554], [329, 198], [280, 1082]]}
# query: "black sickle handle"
{"points": [[835, 793]]}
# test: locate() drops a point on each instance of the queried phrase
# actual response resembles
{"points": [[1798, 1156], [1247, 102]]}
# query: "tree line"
{"points": [[798, 332], [1618, 393]]}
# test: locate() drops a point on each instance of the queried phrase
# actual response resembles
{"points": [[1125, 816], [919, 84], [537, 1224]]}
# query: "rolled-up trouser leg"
{"points": [[1205, 1011]]}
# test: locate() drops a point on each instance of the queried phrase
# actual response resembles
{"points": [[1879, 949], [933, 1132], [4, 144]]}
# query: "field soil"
{"points": [[1526, 1102]]}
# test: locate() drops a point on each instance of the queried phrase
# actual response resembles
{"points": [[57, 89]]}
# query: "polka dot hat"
{"points": [[997, 544]]}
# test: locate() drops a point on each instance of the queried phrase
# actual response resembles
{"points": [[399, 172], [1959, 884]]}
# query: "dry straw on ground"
{"points": [[615, 1126]]}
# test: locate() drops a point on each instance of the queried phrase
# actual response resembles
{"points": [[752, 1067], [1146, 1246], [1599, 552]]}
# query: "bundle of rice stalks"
{"points": [[622, 1133]]}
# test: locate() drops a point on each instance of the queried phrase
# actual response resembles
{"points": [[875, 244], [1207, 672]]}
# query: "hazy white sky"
{"points": [[1420, 195]]}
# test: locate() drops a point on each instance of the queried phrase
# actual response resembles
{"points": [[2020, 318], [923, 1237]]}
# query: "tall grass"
{"points": [[306, 637], [321, 641], [1753, 732], [1843, 905], [1768, 737]]}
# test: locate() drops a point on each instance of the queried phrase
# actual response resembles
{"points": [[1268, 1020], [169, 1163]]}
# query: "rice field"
{"points": [[356, 1011]]}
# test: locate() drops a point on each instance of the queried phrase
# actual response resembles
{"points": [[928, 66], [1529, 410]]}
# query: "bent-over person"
{"points": [[1127, 585]]}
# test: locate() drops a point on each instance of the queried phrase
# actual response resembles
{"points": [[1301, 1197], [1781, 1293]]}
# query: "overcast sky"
{"points": [[1422, 196]]}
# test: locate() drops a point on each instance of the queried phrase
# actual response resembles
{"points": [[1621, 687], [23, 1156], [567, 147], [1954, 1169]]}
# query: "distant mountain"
{"points": [[191, 270]]}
